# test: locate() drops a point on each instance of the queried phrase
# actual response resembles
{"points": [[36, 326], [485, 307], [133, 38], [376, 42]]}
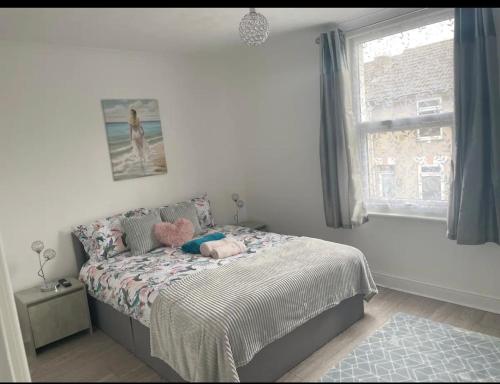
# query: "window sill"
{"points": [[408, 216]]}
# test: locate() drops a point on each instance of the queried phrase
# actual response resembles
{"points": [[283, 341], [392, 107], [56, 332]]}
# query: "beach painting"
{"points": [[135, 137]]}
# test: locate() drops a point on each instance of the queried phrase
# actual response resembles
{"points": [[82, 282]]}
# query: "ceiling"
{"points": [[158, 29]]}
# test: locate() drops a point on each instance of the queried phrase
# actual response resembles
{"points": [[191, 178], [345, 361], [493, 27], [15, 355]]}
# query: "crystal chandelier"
{"points": [[254, 28]]}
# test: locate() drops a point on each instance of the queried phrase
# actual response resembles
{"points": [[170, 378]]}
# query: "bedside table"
{"points": [[49, 316], [258, 225]]}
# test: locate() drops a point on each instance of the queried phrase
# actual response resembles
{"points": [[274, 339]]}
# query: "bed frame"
{"points": [[269, 364]]}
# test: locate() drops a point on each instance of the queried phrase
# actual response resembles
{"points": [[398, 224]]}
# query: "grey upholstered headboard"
{"points": [[80, 254]]}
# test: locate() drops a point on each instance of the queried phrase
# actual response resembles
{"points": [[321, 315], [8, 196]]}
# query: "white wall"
{"points": [[284, 186], [54, 163]]}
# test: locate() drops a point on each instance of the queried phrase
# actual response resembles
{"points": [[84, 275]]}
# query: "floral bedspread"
{"points": [[131, 283]]}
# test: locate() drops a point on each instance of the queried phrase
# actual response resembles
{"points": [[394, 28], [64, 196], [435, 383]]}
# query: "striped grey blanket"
{"points": [[210, 323]]}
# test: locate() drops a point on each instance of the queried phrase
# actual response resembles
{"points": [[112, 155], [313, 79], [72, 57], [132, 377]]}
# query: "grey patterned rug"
{"points": [[410, 348]]}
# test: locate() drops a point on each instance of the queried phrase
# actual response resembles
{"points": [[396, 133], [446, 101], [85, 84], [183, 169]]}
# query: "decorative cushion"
{"points": [[104, 238], [140, 232], [202, 205], [174, 234], [184, 209]]}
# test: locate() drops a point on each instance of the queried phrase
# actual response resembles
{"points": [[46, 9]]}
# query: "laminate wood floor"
{"points": [[97, 357]]}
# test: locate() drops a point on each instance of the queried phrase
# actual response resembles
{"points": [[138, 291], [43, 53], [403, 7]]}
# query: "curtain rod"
{"points": [[379, 22]]}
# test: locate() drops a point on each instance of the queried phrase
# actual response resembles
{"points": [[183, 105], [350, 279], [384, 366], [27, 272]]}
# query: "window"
{"points": [[431, 182], [387, 181], [387, 184], [429, 107], [403, 103]]}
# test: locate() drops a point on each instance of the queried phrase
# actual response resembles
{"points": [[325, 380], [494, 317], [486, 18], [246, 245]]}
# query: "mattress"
{"points": [[130, 284]]}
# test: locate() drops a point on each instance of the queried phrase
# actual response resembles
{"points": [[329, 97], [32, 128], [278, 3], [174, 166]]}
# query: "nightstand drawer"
{"points": [[57, 318]]}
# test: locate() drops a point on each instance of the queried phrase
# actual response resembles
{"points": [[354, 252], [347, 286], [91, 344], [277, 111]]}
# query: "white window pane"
{"points": [[397, 71]]}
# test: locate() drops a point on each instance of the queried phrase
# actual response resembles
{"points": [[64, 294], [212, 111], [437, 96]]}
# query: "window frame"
{"points": [[405, 207]]}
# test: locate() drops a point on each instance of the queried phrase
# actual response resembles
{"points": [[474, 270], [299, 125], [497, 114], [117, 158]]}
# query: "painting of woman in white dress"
{"points": [[139, 145], [135, 137]]}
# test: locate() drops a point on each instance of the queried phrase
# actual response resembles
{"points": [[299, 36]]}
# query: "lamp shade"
{"points": [[37, 246], [49, 254], [254, 28]]}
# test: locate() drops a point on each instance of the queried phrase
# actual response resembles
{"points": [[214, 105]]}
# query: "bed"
{"points": [[122, 291]]}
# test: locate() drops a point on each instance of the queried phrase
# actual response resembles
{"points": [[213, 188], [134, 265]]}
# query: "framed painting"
{"points": [[135, 138]]}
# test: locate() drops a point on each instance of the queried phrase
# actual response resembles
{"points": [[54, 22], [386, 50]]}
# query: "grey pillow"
{"points": [[140, 232], [185, 209]]}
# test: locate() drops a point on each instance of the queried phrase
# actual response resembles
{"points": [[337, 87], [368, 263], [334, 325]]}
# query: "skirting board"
{"points": [[468, 299]]}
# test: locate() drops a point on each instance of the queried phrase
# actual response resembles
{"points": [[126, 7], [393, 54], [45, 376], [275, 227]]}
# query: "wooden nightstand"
{"points": [[49, 316], [258, 225]]}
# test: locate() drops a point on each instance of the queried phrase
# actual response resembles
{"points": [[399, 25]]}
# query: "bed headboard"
{"points": [[80, 254]]}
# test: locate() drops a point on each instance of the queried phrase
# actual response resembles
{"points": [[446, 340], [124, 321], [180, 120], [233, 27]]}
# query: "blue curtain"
{"points": [[474, 207], [340, 173]]}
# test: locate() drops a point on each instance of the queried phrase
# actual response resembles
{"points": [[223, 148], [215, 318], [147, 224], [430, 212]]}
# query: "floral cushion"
{"points": [[202, 205], [104, 238]]}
